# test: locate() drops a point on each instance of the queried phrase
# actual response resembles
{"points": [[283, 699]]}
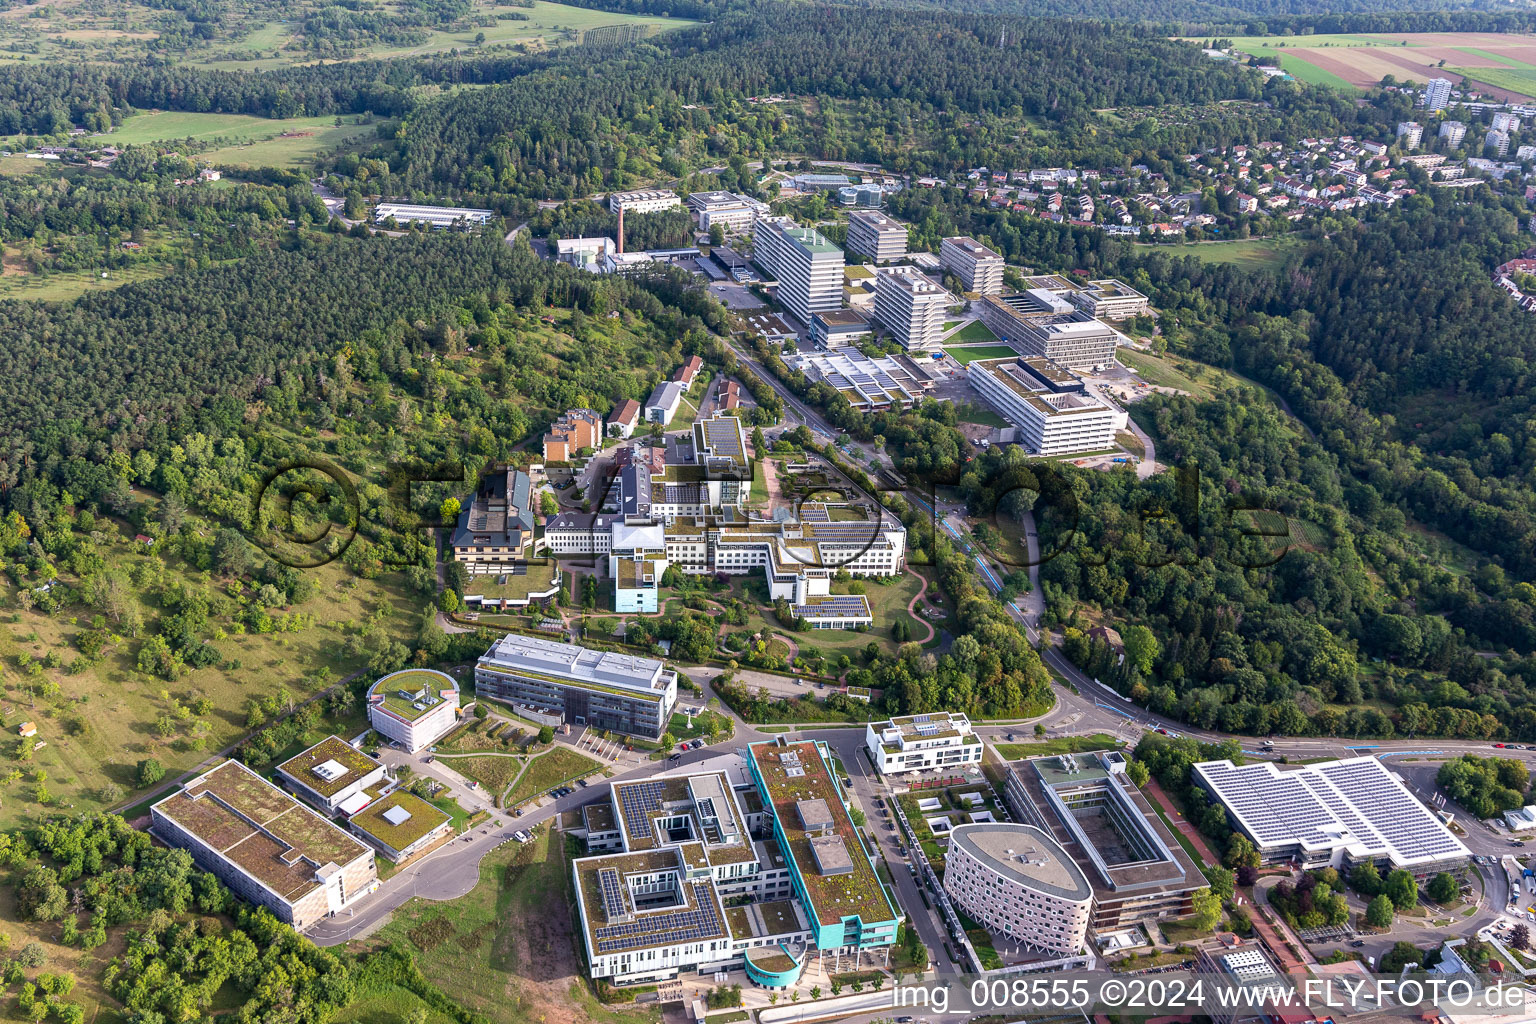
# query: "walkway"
{"points": [[1189, 831], [912, 609]]}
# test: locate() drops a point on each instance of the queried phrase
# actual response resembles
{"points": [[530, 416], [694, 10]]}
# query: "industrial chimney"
{"points": [[621, 231]]}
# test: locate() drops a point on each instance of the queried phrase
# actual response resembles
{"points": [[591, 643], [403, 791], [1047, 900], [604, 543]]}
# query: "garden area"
{"points": [[548, 770]]}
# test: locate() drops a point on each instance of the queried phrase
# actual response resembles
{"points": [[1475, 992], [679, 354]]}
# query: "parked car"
{"points": [[675, 756]]}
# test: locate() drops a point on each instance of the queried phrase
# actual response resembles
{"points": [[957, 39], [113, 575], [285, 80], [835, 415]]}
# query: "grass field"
{"points": [[61, 286], [549, 770], [1246, 253], [973, 333], [244, 140], [548, 24], [1159, 371], [507, 949], [493, 771], [964, 354], [1520, 80], [98, 722]]}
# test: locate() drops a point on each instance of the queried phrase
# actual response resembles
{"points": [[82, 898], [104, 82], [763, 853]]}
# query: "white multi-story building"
{"points": [[1055, 414], [414, 708], [807, 267], [1109, 299], [731, 211], [873, 234], [1437, 94], [1017, 881], [921, 743], [1453, 132], [267, 847], [1498, 141], [1069, 339], [1410, 133], [979, 269], [912, 308], [645, 200], [564, 682], [1504, 121]]}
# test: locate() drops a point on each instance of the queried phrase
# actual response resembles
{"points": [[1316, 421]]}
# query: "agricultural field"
{"points": [[1504, 65]]}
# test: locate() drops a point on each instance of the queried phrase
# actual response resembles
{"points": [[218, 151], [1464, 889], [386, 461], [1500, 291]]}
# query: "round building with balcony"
{"points": [[775, 966]]}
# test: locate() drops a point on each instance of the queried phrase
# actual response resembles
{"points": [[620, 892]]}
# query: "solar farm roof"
{"points": [[1355, 804]]}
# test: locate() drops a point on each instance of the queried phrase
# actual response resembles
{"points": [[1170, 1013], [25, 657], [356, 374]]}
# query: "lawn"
{"points": [[1060, 745], [243, 140], [975, 412], [493, 771], [973, 333], [1245, 253], [964, 354], [506, 949], [549, 770]]}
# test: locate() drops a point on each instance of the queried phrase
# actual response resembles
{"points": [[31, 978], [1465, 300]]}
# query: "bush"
{"points": [[151, 771]]}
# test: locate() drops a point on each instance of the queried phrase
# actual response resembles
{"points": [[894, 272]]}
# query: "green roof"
{"points": [[411, 680], [424, 818], [302, 767]]}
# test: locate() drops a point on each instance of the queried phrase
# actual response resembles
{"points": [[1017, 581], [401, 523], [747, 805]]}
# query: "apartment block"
{"points": [[807, 267], [1410, 133], [912, 308], [873, 234], [573, 431], [495, 525], [1453, 132], [979, 269], [1437, 95]]}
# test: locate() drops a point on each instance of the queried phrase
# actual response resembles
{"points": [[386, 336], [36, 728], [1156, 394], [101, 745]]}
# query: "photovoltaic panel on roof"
{"points": [[615, 906], [638, 800], [697, 922]]}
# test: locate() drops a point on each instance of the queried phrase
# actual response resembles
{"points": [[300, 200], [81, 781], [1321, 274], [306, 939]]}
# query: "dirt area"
{"points": [[12, 265], [1355, 64]]}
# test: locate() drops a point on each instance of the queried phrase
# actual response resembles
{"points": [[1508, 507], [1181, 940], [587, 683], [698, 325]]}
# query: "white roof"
{"points": [[397, 815], [354, 803], [1355, 804], [329, 770]]}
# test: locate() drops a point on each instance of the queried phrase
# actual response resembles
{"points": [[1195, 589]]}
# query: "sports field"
{"points": [[1501, 64]]}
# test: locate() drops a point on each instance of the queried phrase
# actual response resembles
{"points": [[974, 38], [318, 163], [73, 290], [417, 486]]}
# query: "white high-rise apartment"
{"points": [[1506, 122], [1453, 132], [808, 268], [1411, 133], [873, 234], [1498, 140], [1437, 95], [912, 308], [978, 268]]}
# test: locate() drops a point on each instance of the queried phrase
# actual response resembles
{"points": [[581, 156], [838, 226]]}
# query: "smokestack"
{"points": [[621, 231]]}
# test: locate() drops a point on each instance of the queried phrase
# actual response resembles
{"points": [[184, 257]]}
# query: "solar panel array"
{"points": [[615, 906], [638, 800], [839, 605], [697, 923], [818, 514], [724, 438], [1353, 802], [855, 532]]}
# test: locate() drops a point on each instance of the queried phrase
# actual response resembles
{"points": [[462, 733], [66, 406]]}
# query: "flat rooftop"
{"points": [[1356, 804], [399, 819], [425, 688], [266, 832], [537, 657], [794, 772], [1096, 844], [972, 248], [650, 813], [616, 923], [313, 768], [1025, 854]]}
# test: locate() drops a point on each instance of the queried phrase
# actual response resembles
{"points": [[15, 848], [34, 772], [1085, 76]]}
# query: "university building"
{"points": [[935, 741], [267, 847], [553, 682]]}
